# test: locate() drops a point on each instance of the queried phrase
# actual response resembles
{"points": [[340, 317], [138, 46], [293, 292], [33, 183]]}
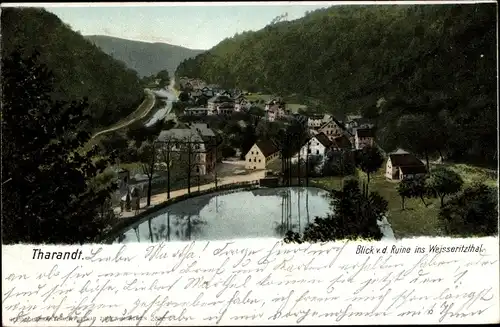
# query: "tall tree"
{"points": [[356, 215], [473, 212], [46, 176], [147, 156], [369, 160], [444, 182]]}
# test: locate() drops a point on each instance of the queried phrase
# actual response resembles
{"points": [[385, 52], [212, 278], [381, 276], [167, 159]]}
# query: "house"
{"points": [[333, 128], [226, 94], [261, 154], [211, 144], [218, 100], [277, 101], [270, 115], [341, 143], [318, 145], [275, 111], [350, 118], [241, 104], [401, 165], [315, 121], [195, 94], [188, 146], [363, 137], [358, 123], [199, 111], [225, 109]]}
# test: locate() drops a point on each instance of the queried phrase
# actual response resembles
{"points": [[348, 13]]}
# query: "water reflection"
{"points": [[261, 212]]}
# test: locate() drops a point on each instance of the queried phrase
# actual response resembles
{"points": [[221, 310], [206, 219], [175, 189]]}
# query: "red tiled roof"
{"points": [[364, 132], [413, 170], [323, 139], [342, 142], [267, 147], [405, 160]]}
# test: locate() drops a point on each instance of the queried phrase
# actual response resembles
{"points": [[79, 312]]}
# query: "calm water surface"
{"points": [[242, 214]]}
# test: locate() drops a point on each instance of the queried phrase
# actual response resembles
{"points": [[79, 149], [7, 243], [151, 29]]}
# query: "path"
{"points": [[162, 197], [149, 97]]}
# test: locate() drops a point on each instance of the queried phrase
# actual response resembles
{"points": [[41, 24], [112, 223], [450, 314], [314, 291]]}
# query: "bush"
{"points": [[339, 164], [228, 151], [473, 212], [355, 215]]}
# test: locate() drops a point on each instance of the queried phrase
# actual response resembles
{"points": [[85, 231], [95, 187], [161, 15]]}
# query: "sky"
{"points": [[196, 27]]}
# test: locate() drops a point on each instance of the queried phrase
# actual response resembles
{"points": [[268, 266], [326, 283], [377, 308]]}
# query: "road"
{"points": [[162, 197], [165, 111], [150, 96]]}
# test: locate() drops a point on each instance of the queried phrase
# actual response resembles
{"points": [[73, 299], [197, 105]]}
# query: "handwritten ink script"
{"points": [[252, 282]]}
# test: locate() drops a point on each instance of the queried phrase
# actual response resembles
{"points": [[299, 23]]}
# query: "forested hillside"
{"points": [[145, 58], [80, 68], [426, 62]]}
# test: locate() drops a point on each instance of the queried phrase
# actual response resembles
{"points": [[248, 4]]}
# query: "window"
{"points": [[250, 160], [317, 151], [252, 152], [308, 150], [254, 159], [259, 160], [197, 169]]}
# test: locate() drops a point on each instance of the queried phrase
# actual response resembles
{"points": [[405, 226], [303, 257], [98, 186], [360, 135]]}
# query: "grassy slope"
{"points": [[416, 220]]}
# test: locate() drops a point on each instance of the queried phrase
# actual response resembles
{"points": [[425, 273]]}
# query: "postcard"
{"points": [[265, 163]]}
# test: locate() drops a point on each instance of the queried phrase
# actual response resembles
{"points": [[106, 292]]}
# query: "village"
{"points": [[287, 130], [200, 146]]}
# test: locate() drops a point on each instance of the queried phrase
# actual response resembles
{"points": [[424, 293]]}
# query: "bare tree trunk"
{"points": [[307, 205], [189, 169], [423, 201], [150, 230], [427, 161], [150, 176], [215, 167], [168, 171], [298, 171], [441, 155], [168, 225], [298, 206], [307, 165]]}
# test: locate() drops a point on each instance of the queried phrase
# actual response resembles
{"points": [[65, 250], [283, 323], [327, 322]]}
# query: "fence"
{"points": [[153, 210]]}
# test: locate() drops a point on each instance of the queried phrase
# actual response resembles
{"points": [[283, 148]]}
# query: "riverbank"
{"points": [[163, 197]]}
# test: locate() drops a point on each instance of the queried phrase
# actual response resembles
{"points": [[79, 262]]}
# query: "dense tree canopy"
{"points": [[80, 68], [49, 192], [437, 62], [474, 211]]}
